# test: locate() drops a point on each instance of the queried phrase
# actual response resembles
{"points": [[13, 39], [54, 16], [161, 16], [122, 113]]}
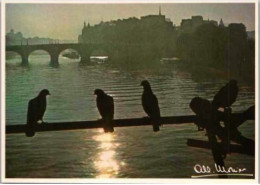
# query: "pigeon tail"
{"points": [[156, 127], [156, 124], [108, 125], [29, 132]]}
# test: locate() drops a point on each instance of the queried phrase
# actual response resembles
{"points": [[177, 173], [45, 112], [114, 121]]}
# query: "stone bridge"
{"points": [[54, 50]]}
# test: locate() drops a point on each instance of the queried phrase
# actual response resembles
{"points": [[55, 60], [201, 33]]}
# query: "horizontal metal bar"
{"points": [[10, 129]]}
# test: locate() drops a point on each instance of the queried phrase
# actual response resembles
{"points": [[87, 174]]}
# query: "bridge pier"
{"points": [[25, 58], [54, 60]]}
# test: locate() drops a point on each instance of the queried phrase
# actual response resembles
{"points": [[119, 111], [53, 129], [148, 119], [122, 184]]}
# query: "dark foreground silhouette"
{"points": [[105, 105], [150, 105], [226, 96], [208, 117], [35, 113]]}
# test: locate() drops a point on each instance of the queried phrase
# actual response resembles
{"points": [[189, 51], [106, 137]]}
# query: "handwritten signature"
{"points": [[204, 169]]}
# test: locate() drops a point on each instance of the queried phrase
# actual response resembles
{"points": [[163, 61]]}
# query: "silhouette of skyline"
{"points": [[64, 21]]}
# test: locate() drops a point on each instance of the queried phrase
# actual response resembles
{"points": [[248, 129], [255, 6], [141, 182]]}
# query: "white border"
{"points": [[256, 94], [123, 2], [123, 180], [2, 93]]}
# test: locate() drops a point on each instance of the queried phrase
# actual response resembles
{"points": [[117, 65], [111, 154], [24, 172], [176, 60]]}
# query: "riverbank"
{"points": [[198, 73], [246, 78]]}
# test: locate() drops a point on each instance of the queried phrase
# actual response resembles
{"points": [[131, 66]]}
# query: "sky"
{"points": [[65, 21]]}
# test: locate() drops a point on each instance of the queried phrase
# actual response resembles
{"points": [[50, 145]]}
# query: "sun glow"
{"points": [[106, 164]]}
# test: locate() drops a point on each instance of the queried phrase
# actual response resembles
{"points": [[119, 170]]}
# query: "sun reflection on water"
{"points": [[106, 163]]}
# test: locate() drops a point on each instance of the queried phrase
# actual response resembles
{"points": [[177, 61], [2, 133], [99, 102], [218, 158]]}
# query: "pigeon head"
{"points": [[44, 93], [99, 92], [145, 84], [200, 106]]}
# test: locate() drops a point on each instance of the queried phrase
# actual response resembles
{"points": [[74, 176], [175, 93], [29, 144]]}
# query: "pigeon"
{"points": [[105, 105], [226, 96], [150, 105], [35, 113], [249, 114], [202, 108]]}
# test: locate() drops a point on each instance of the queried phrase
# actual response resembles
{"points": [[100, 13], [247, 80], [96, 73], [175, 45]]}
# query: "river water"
{"points": [[130, 152]]}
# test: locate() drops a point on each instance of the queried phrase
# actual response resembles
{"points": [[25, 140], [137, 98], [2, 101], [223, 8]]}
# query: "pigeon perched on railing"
{"points": [[35, 113], [105, 105], [150, 105]]}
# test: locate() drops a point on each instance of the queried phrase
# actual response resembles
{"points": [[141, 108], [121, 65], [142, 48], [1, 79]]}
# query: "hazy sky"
{"points": [[65, 21]]}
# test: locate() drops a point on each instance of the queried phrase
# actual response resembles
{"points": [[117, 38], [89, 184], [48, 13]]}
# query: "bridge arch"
{"points": [[38, 49], [101, 52], [13, 56], [99, 55], [70, 53], [41, 55]]}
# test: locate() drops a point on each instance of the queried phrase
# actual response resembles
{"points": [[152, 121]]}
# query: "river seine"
{"points": [[130, 152]]}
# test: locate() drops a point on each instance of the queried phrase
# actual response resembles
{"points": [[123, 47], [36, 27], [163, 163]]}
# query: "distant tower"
{"points": [[160, 10], [221, 24], [88, 24], [84, 29]]}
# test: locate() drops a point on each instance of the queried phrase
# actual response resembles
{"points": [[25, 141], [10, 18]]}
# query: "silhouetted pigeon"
{"points": [[250, 113], [202, 108], [36, 110], [150, 105], [226, 96], [105, 105]]}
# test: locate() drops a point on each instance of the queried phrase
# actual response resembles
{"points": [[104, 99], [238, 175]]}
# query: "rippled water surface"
{"points": [[133, 152]]}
